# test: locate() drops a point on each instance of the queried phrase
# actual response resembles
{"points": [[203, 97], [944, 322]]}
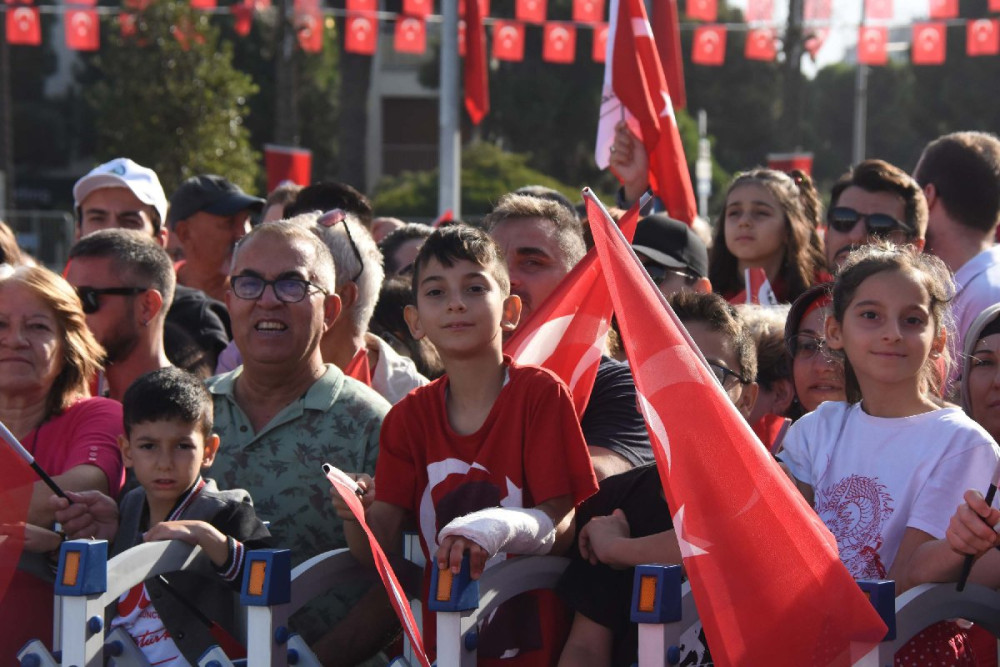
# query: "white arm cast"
{"points": [[513, 530]]}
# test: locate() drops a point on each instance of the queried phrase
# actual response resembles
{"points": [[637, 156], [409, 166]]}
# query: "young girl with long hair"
{"points": [[886, 468], [768, 222]]}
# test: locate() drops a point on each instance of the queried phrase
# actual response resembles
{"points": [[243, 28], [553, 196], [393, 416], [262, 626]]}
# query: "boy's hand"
{"points": [[367, 485], [970, 529], [199, 533], [449, 555], [91, 515], [598, 537]]}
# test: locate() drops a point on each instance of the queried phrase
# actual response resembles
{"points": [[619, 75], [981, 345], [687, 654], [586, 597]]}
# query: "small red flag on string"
{"points": [[760, 45], [928, 46], [242, 17], [872, 42], [309, 25], [876, 10], [709, 46], [760, 10], [703, 10], [24, 26], [588, 11], [361, 34], [508, 41], [83, 30], [418, 8], [411, 35], [530, 11], [475, 71], [982, 37], [943, 9], [361, 6], [559, 43], [203, 4], [599, 48]]}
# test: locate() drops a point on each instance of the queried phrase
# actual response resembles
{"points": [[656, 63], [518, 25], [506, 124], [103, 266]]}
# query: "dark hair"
{"points": [[880, 176], [929, 271], [964, 168], [803, 251], [543, 192], [134, 256], [328, 195], [396, 238], [722, 317], [389, 324], [165, 394], [10, 253], [457, 242]]}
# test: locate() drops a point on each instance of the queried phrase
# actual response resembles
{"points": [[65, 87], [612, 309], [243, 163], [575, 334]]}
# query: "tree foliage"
{"points": [[170, 98]]}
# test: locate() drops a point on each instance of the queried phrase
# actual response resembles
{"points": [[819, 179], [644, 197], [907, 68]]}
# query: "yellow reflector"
{"points": [[258, 569], [647, 594], [71, 569], [444, 585]]}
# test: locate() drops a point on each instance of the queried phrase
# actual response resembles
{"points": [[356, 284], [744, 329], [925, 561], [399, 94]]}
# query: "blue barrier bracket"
{"points": [[267, 578], [453, 592], [656, 594], [882, 594], [83, 568]]}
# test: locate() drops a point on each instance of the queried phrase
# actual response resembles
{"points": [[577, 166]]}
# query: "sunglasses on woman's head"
{"points": [[90, 296], [843, 219]]}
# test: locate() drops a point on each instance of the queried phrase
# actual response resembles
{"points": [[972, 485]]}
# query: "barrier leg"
{"points": [[656, 607]]}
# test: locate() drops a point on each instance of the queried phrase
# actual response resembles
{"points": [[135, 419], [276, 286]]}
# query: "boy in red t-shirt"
{"points": [[490, 458]]}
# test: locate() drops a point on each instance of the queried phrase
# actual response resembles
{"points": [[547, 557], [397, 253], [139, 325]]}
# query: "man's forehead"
{"points": [[273, 255], [80, 268], [517, 233], [101, 196]]}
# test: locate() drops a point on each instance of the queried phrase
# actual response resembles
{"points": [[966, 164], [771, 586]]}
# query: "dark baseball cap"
{"points": [[671, 243], [209, 194]]}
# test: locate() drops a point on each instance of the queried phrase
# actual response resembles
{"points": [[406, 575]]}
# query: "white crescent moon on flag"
{"points": [[688, 548]]}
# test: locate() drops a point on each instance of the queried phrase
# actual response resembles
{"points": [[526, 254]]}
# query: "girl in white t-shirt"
{"points": [[886, 469]]}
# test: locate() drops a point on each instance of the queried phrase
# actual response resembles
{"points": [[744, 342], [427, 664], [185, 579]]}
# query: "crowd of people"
{"points": [[201, 357]]}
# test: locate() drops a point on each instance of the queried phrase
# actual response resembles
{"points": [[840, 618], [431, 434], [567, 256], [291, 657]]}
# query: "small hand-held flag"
{"points": [[350, 492], [763, 568]]}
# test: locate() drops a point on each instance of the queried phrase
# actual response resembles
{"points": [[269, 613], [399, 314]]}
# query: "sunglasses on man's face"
{"points": [[90, 297], [843, 219]]}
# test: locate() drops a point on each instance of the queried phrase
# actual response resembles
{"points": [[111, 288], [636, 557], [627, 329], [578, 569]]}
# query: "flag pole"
{"points": [[30, 460]]}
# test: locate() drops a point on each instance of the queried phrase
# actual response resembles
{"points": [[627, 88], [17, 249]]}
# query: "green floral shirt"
{"points": [[336, 421]]}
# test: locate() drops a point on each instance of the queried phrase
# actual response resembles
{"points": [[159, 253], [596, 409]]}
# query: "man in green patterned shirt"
{"points": [[283, 413]]}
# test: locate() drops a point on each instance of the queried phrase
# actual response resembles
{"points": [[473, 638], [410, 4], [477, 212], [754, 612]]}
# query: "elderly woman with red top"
{"points": [[47, 359]]}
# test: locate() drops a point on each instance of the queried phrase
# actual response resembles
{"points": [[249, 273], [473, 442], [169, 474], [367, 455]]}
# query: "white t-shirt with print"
{"points": [[141, 621], [874, 477]]}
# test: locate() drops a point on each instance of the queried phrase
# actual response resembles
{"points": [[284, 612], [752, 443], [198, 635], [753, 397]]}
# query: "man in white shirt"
{"points": [[960, 177]]}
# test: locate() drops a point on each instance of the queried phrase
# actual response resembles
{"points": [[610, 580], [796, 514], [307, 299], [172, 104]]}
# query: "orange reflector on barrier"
{"points": [[72, 568], [647, 594], [445, 577], [258, 571]]}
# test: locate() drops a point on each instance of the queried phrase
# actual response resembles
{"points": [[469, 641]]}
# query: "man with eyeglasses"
{"points": [[672, 254], [123, 278], [960, 176], [285, 412], [208, 215], [874, 200]]}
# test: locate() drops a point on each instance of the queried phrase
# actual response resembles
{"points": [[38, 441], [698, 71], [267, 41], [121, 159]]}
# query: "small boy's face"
{"points": [[718, 350], [167, 456], [461, 308]]}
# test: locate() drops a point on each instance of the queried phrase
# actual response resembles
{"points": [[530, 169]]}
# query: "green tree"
{"points": [[170, 98]]}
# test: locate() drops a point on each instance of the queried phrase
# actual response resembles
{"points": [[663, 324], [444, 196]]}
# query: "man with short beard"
{"points": [[124, 278]]}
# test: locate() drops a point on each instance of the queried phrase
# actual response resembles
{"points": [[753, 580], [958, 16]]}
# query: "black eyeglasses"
{"points": [[90, 296], [338, 215], [287, 290], [843, 220], [659, 273], [727, 378]]}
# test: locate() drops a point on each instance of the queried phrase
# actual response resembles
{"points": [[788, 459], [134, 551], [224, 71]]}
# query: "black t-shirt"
{"points": [[612, 418], [603, 594], [197, 319]]}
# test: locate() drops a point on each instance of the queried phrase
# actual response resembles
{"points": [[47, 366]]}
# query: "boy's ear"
{"points": [[511, 313], [211, 449], [833, 333], [412, 317], [748, 398], [123, 444]]}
